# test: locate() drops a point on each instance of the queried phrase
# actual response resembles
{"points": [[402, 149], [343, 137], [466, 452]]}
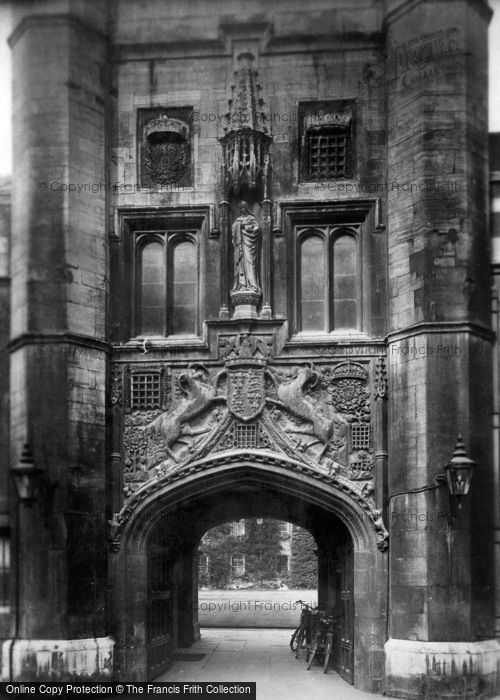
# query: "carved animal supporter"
{"points": [[199, 396], [293, 398]]}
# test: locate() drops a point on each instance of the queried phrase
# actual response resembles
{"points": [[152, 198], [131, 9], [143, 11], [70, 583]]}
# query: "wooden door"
{"points": [[159, 609], [344, 612]]}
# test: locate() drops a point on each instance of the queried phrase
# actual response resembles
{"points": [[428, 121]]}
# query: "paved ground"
{"points": [[263, 656], [252, 608]]}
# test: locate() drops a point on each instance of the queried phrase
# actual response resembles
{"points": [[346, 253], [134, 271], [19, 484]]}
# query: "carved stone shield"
{"points": [[246, 394]]}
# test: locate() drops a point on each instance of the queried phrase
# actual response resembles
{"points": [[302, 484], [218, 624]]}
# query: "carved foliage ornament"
{"points": [[317, 418], [319, 415]]}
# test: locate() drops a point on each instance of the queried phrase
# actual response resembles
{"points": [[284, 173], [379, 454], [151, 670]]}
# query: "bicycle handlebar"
{"points": [[306, 605]]}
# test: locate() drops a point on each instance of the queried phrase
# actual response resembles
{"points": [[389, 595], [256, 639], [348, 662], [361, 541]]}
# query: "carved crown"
{"points": [[331, 119], [237, 362], [166, 124], [349, 370]]}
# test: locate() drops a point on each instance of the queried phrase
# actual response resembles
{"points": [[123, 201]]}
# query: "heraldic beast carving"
{"points": [[319, 415], [292, 397], [199, 395]]}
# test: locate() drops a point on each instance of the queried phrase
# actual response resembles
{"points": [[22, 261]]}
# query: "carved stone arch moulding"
{"points": [[360, 500], [317, 417]]}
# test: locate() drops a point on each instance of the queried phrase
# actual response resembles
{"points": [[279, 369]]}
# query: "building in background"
{"points": [[249, 277], [257, 553]]}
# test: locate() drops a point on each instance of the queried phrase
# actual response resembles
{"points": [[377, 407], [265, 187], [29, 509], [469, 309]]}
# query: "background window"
{"points": [[152, 290], [238, 528], [312, 284], [203, 564], [237, 565], [285, 529], [283, 564]]}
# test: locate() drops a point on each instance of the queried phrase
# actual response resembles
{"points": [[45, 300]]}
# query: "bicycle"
{"points": [[323, 641], [303, 633]]}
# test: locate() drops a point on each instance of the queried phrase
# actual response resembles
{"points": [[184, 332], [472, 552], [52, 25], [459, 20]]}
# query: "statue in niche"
{"points": [[246, 242]]}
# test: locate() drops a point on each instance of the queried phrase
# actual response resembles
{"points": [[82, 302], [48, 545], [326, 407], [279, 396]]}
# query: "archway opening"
{"points": [[177, 612], [163, 539], [252, 571]]}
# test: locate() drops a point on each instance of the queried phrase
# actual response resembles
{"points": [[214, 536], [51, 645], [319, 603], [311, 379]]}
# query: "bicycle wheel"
{"points": [[293, 639], [300, 642], [313, 652], [328, 651]]}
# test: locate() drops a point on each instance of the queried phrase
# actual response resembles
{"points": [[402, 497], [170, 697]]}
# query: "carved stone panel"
{"points": [[320, 415], [164, 137], [317, 418]]}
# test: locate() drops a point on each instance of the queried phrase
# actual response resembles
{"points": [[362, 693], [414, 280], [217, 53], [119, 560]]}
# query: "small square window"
{"points": [[326, 140], [327, 153], [145, 390]]}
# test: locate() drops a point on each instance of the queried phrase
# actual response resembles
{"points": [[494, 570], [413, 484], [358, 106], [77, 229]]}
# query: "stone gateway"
{"points": [[280, 308]]}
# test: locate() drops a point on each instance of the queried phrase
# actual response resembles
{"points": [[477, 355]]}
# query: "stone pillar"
{"points": [[439, 350], [224, 260], [58, 349], [267, 208]]}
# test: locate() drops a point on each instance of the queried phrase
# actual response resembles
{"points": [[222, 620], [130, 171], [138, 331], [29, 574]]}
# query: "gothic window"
{"points": [[328, 279], [313, 298], [345, 282], [152, 289], [183, 292], [166, 284], [237, 565]]}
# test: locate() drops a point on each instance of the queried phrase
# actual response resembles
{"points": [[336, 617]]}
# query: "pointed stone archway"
{"points": [[175, 514]]}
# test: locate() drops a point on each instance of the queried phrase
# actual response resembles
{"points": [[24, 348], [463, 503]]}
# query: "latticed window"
{"points": [[327, 153], [145, 390], [237, 565], [360, 469], [245, 435], [361, 436]]}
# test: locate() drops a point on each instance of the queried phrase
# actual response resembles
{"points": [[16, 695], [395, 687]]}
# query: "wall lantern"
{"points": [[31, 481], [27, 477], [459, 470]]}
